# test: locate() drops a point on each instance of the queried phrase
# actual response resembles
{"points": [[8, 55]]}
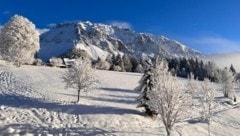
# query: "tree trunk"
{"points": [[168, 131], [78, 95], [234, 99], [209, 129], [225, 94]]}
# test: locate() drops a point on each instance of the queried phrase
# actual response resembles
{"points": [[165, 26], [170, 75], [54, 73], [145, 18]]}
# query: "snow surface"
{"points": [[34, 100]]}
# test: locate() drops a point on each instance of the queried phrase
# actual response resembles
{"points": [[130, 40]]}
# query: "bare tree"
{"points": [[19, 40], [206, 99], [80, 76], [168, 96]]}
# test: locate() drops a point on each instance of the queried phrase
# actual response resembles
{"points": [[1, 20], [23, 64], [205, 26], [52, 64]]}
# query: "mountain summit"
{"points": [[100, 40]]}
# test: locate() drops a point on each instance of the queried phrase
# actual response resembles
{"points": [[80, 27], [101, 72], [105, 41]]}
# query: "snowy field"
{"points": [[34, 101]]}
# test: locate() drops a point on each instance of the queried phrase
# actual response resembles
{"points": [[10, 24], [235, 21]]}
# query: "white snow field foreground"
{"points": [[34, 101]]}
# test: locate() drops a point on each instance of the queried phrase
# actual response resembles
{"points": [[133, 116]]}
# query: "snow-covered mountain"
{"points": [[99, 40], [226, 59]]}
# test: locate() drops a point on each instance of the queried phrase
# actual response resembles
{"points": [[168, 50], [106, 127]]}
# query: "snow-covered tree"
{"points": [[127, 63], [80, 76], [168, 97], [227, 82], [145, 85], [19, 41], [139, 68], [192, 86], [206, 100]]}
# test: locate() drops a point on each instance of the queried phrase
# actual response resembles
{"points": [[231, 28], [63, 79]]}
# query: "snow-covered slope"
{"points": [[99, 40], [34, 101], [226, 59]]}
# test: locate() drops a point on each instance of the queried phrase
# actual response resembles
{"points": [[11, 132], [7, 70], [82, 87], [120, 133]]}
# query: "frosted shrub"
{"points": [[55, 61], [117, 68], [38, 62], [103, 65]]}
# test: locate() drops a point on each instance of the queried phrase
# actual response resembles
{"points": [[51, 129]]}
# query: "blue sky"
{"points": [[211, 26]]}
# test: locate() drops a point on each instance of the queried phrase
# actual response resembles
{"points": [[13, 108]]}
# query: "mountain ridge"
{"points": [[100, 40]]}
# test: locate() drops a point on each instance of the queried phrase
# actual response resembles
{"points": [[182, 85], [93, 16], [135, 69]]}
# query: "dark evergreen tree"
{"points": [[145, 85], [130, 63], [127, 63], [118, 64], [232, 69]]}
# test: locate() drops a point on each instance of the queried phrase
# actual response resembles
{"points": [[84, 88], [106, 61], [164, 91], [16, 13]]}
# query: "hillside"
{"points": [[34, 100], [100, 41]]}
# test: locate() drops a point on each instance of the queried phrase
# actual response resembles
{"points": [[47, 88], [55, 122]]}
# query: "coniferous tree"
{"points": [[145, 86], [118, 64], [232, 69], [127, 63]]}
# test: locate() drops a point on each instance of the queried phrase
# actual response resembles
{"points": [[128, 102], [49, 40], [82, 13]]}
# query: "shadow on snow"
{"points": [[119, 90], [24, 129], [27, 102], [30, 129]]}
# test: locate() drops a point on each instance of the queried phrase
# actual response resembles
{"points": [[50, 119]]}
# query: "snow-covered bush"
{"points": [[55, 61], [19, 41], [103, 65], [38, 62], [80, 76], [227, 82], [117, 68], [167, 96]]}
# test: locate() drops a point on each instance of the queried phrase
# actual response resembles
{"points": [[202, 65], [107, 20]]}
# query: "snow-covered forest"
{"points": [[119, 95]]}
